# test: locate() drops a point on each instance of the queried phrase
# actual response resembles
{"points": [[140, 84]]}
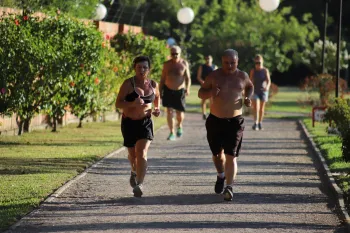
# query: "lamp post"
{"points": [[324, 34], [338, 48]]}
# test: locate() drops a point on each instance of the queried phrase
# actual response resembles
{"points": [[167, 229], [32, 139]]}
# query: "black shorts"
{"points": [[134, 130], [225, 133], [174, 99]]}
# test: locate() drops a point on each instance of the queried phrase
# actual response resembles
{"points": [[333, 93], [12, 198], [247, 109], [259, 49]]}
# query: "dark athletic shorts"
{"points": [[134, 130], [174, 99], [225, 133]]}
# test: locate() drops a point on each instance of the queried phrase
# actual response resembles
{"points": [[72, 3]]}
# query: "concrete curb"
{"points": [[66, 185], [338, 193]]}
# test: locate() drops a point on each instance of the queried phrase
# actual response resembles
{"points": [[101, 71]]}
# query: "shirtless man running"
{"points": [[230, 88], [174, 86]]}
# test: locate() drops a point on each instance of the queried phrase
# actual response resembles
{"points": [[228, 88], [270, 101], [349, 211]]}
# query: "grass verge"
{"points": [[33, 165], [330, 147]]}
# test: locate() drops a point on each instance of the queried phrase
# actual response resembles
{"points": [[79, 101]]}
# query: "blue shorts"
{"points": [[262, 96]]}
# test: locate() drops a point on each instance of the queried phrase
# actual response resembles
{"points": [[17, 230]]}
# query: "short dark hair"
{"points": [[229, 52], [139, 59]]}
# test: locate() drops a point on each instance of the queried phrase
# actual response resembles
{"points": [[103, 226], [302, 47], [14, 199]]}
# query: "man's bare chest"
{"points": [[176, 69], [230, 85]]}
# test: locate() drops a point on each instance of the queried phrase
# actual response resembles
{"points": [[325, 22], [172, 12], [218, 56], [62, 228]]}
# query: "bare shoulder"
{"points": [[166, 62], [185, 62], [243, 74], [154, 83], [215, 73]]}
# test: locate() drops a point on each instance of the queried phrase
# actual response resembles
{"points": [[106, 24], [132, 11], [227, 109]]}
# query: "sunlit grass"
{"points": [[34, 165]]}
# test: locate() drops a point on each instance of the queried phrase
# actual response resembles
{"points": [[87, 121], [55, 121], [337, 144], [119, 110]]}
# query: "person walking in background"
{"points": [[174, 85], [260, 77], [229, 88], [203, 71], [135, 98]]}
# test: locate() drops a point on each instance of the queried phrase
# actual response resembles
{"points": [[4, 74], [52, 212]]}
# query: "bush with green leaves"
{"points": [[140, 44], [339, 115], [43, 62]]}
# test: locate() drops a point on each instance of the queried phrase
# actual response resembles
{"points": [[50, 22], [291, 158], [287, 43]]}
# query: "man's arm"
{"points": [[199, 75], [249, 87], [206, 90], [187, 78], [156, 109], [162, 80]]}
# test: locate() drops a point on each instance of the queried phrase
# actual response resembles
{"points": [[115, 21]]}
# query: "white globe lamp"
{"points": [[269, 5], [100, 12], [185, 15]]}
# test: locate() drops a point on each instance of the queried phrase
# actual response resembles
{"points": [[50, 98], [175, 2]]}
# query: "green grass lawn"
{"points": [[33, 165], [291, 99]]}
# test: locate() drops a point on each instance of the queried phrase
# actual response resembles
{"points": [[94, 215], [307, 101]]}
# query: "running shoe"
{"points": [[260, 126], [179, 132], [138, 190], [219, 185], [132, 180], [228, 193], [171, 137]]}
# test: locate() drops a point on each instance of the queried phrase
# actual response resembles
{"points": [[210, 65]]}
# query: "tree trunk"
{"points": [[80, 122], [20, 126], [54, 124], [26, 125]]}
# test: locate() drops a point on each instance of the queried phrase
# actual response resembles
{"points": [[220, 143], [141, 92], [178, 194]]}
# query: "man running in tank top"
{"points": [[203, 71], [230, 88], [174, 86], [260, 76]]}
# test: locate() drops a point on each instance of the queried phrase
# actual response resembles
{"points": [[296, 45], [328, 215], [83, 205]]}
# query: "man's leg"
{"points": [[170, 120], [230, 169], [132, 160], [180, 116], [231, 172], [219, 162], [141, 150]]}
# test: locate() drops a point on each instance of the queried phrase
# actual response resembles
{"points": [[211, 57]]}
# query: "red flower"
{"points": [[115, 69], [72, 84], [25, 17], [3, 90], [17, 22], [97, 81], [88, 73], [108, 37]]}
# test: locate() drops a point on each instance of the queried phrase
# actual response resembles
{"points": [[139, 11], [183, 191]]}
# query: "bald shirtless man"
{"points": [[174, 86], [230, 88]]}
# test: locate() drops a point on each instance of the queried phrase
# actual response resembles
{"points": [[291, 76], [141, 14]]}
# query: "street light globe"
{"points": [[269, 5], [185, 15], [100, 12]]}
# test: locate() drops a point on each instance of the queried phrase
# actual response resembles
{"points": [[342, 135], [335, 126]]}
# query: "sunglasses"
{"points": [[174, 54], [257, 62]]}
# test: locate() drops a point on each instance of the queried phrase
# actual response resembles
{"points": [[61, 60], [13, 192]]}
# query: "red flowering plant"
{"points": [[325, 85]]}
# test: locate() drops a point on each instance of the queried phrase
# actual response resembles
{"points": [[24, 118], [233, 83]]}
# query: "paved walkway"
{"points": [[278, 189]]}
